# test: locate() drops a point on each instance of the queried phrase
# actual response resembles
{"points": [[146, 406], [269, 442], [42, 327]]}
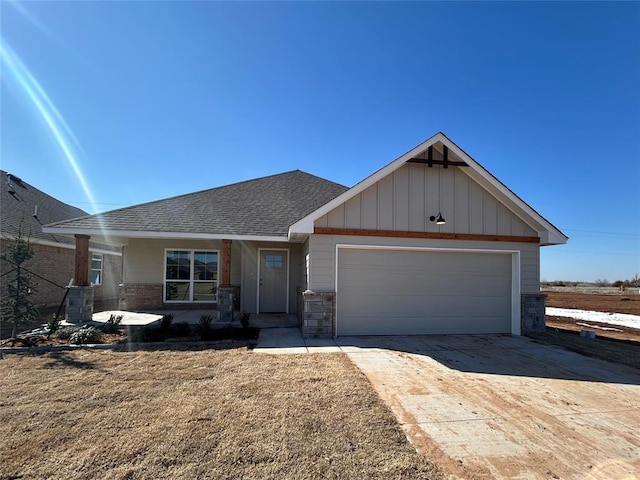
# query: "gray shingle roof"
{"points": [[264, 206], [18, 201]]}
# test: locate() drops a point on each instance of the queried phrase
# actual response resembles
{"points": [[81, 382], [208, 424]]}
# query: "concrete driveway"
{"points": [[507, 407]]}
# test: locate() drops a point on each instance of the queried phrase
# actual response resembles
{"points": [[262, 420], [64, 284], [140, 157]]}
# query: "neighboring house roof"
{"points": [[264, 207], [549, 234], [24, 207], [19, 200]]}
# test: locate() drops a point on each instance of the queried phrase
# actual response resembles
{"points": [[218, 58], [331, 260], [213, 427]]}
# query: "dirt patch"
{"points": [[619, 332], [611, 303], [42, 340], [615, 303], [208, 414], [140, 334]]}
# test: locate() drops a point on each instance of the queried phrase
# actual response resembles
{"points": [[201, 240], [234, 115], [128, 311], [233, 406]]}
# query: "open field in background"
{"points": [[626, 302], [586, 288], [611, 302], [616, 344], [223, 414]]}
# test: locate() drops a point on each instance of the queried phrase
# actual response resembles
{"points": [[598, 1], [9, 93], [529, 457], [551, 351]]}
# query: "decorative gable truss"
{"points": [[436, 177]]}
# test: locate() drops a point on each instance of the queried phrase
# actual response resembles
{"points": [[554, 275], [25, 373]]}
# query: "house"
{"points": [[431, 243], [24, 208]]}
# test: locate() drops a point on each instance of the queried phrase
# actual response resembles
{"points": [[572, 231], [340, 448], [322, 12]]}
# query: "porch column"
{"points": [[226, 263], [225, 291], [79, 303], [81, 278]]}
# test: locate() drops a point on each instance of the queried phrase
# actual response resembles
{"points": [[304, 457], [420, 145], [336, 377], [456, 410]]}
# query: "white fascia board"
{"points": [[305, 225], [164, 235], [553, 238]]}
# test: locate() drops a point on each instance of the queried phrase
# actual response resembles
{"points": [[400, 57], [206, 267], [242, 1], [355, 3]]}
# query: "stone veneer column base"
{"points": [[79, 305], [532, 312], [225, 304], [318, 316]]}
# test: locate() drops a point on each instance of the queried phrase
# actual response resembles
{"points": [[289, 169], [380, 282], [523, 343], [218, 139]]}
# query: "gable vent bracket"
{"points": [[445, 162]]}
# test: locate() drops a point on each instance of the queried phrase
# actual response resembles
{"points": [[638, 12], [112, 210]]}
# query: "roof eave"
{"points": [[554, 237], [127, 234]]}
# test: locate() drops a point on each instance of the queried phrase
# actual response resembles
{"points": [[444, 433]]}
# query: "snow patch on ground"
{"points": [[623, 319]]}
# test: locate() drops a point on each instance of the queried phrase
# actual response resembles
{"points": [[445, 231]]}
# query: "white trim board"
{"points": [[164, 235], [515, 273]]}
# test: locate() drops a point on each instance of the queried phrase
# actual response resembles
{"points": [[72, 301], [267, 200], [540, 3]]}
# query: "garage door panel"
{"points": [[424, 306], [382, 292], [421, 326]]}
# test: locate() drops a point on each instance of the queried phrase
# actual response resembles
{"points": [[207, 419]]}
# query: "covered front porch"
{"points": [[189, 278]]}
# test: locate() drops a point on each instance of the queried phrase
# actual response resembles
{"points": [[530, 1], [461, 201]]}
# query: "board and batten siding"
{"points": [[405, 199], [323, 256]]}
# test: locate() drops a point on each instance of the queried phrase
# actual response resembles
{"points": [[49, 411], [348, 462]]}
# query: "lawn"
{"points": [[220, 414]]}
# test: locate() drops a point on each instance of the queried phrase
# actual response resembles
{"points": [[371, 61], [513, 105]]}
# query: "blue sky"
{"points": [[147, 100]]}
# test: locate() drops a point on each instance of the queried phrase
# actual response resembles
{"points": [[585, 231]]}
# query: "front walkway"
{"points": [[289, 341]]}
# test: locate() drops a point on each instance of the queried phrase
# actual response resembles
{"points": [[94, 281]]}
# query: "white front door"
{"points": [[273, 281]]}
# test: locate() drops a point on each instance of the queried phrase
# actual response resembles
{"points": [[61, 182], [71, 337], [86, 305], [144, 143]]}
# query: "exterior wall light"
{"points": [[439, 219]]}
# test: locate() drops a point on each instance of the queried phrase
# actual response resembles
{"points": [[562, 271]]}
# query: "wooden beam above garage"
{"points": [[430, 235]]}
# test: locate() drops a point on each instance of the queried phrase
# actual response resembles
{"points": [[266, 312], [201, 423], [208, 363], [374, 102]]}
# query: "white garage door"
{"points": [[409, 292]]}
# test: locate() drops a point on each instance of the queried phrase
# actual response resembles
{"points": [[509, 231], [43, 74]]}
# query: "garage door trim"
{"points": [[515, 273]]}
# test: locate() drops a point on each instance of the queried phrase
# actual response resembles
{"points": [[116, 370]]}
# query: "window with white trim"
{"points": [[96, 268], [191, 276]]}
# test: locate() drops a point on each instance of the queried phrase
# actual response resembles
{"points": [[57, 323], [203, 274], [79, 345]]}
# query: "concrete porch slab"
{"points": [[133, 319]]}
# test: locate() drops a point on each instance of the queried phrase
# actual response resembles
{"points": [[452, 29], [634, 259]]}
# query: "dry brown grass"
{"points": [[205, 414], [618, 351]]}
